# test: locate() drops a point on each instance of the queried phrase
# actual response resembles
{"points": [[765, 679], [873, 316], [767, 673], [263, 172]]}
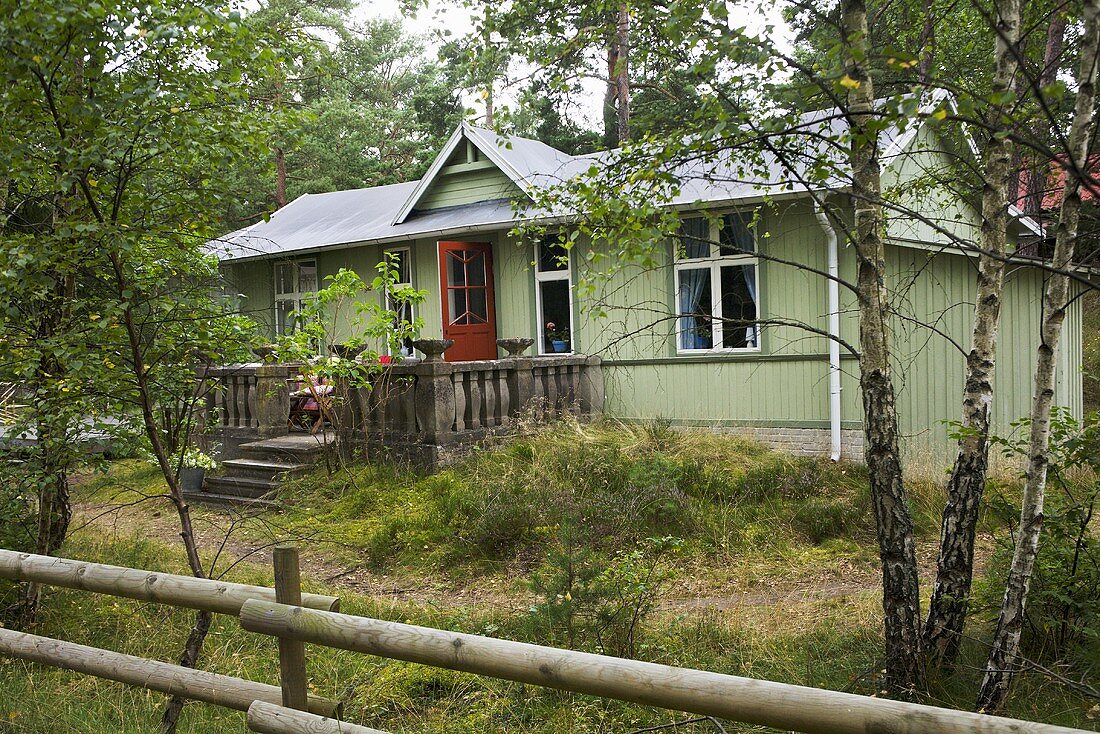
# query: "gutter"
{"points": [[834, 327]]}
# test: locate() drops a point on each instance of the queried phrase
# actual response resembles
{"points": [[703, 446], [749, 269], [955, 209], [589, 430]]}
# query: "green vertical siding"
{"points": [[254, 282], [786, 384], [515, 288], [486, 184]]}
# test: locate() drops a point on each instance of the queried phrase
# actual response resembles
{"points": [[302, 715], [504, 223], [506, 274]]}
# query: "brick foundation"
{"points": [[803, 441]]}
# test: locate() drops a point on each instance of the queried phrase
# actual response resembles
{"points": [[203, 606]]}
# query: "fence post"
{"points": [[292, 653]]}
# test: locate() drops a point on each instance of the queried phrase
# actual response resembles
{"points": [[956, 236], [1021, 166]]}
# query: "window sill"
{"points": [[716, 352]]}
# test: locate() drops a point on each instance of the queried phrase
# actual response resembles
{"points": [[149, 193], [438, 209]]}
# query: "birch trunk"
{"points": [[894, 525], [1003, 657], [955, 566]]}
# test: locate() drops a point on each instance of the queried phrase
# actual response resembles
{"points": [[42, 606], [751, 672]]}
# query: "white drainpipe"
{"points": [[834, 328]]}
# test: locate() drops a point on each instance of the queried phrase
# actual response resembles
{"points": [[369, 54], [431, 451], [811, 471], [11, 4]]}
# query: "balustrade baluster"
{"points": [[551, 391], [253, 419], [504, 402], [473, 420], [460, 401], [489, 388]]}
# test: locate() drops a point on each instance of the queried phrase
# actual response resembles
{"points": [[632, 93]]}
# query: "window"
{"points": [[552, 294], [292, 281], [401, 258], [717, 293]]}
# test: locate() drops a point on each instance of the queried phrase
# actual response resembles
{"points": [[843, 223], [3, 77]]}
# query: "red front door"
{"points": [[466, 285]]}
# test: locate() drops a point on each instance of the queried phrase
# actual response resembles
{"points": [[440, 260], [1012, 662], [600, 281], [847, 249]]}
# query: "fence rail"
{"points": [[267, 718], [747, 700], [176, 680], [212, 595]]}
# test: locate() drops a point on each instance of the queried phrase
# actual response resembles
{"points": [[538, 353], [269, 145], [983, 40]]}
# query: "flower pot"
{"points": [[559, 345], [191, 479]]}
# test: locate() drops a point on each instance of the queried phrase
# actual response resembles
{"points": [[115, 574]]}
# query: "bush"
{"points": [[1063, 606], [590, 599], [18, 524]]}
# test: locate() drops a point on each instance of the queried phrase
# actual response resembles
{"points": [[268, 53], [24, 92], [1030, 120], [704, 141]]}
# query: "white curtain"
{"points": [[692, 284], [752, 333]]}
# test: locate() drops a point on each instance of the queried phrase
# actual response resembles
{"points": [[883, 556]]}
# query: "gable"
{"points": [[466, 177], [929, 204], [466, 171]]}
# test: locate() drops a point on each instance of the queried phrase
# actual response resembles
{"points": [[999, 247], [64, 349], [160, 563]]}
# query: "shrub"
{"points": [[591, 599], [1063, 608]]}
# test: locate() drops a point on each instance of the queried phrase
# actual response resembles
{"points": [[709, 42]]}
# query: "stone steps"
{"points": [[254, 478]]}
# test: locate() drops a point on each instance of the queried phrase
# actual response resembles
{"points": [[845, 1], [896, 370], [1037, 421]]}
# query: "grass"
{"points": [[549, 537], [830, 643], [619, 485]]}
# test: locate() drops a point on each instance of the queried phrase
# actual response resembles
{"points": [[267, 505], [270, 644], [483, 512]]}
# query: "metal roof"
{"points": [[383, 214]]}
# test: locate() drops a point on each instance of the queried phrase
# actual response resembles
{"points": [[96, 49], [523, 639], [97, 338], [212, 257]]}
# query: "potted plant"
{"points": [[703, 336], [193, 467], [558, 338]]}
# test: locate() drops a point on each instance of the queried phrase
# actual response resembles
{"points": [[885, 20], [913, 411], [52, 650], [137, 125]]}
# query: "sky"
{"points": [[438, 15]]}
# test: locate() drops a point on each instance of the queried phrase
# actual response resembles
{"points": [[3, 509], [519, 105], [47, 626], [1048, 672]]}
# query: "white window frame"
{"points": [[550, 276], [296, 294], [405, 352], [714, 263]]}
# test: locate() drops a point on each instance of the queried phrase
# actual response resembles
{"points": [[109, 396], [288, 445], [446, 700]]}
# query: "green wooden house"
{"points": [[678, 340]]}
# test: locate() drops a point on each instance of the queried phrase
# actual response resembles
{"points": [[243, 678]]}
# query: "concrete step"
{"points": [[261, 468], [295, 448], [241, 487], [213, 498]]}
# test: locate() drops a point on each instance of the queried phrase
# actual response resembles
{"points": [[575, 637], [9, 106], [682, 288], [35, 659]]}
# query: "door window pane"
{"points": [[696, 309], [475, 268], [477, 305], [284, 277], [457, 305], [307, 277], [456, 268], [284, 321]]}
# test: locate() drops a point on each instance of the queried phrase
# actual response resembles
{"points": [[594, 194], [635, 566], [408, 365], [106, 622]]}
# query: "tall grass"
{"points": [[832, 643], [614, 485]]}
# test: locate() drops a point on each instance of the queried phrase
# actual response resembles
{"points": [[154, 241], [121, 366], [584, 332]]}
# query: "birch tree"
{"points": [[1004, 656], [955, 564], [893, 522]]}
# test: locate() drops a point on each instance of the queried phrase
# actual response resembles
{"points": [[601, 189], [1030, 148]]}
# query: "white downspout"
{"points": [[834, 328]]}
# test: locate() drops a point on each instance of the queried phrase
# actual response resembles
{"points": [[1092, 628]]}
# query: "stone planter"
{"points": [[345, 351], [433, 349], [266, 353], [515, 347]]}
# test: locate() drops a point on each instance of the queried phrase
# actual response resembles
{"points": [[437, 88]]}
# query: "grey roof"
{"points": [[361, 216], [314, 221]]}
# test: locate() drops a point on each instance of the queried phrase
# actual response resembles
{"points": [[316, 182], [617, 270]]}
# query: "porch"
{"points": [[422, 411]]}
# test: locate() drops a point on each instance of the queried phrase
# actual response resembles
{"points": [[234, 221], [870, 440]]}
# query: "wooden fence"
{"points": [[313, 619]]}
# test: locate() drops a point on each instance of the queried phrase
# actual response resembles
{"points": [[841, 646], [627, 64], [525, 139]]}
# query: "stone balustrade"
{"points": [[423, 411]]}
